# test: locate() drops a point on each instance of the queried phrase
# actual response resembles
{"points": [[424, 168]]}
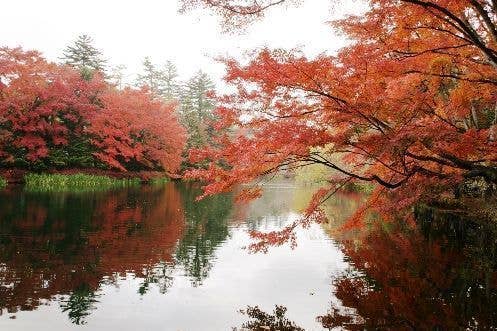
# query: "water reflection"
{"points": [[262, 321], [437, 274], [206, 228], [164, 261], [63, 243]]}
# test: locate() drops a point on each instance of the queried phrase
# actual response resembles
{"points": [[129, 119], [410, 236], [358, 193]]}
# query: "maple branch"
{"points": [[372, 178], [459, 23], [439, 29], [484, 14], [482, 80], [246, 10], [446, 121], [406, 54]]}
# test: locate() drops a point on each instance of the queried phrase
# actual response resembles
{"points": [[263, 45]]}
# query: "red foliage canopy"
{"points": [[133, 126], [44, 106], [39, 102]]}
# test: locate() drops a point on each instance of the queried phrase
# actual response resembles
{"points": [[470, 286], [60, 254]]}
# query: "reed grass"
{"points": [[76, 182], [159, 180]]}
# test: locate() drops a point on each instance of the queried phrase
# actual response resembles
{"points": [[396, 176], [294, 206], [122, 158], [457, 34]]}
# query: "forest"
{"points": [[408, 107]]}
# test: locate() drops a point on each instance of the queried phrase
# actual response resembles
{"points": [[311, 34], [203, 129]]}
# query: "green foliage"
{"points": [[76, 182], [150, 76], [169, 87], [80, 304], [84, 56], [313, 174], [162, 81], [78, 153], [117, 75], [358, 187], [206, 228], [195, 100], [196, 111], [159, 180], [195, 105], [3, 182]]}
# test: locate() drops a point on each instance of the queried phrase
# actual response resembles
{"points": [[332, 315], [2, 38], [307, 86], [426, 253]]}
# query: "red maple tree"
{"points": [[410, 105], [50, 114], [135, 128]]}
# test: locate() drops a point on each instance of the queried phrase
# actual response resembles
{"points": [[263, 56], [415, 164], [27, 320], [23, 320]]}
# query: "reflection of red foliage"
{"points": [[409, 283], [47, 255], [146, 232]]}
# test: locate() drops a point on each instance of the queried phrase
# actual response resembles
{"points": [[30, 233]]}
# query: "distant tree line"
{"points": [[195, 107]]}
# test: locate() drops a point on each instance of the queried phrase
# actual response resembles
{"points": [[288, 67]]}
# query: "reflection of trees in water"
{"points": [[79, 304], [337, 209], [72, 243], [440, 275], [206, 228], [262, 321]]}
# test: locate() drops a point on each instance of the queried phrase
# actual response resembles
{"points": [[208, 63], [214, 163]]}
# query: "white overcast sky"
{"points": [[128, 30]]}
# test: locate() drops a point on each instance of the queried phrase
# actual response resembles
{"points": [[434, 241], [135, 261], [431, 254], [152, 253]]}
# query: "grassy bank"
{"points": [[3, 182], [75, 182], [159, 180]]}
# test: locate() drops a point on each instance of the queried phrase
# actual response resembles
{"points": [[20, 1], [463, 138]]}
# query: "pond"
{"points": [[152, 258]]}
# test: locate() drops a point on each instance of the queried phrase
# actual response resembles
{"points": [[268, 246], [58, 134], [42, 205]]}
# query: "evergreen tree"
{"points": [[149, 77], [117, 75], [169, 87], [161, 81], [195, 91], [196, 110], [82, 54]]}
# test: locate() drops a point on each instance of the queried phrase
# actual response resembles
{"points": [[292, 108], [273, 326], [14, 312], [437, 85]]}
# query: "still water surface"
{"points": [[151, 258]]}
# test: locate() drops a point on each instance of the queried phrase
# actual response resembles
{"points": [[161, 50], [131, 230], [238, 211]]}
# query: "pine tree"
{"points": [[197, 110], [169, 87], [82, 54], [163, 82], [117, 76], [196, 90], [150, 76]]}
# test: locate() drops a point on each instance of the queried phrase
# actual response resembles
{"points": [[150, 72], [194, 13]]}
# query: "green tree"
{"points": [[150, 76], [162, 81], [117, 75], [169, 87], [197, 110], [82, 54], [206, 227]]}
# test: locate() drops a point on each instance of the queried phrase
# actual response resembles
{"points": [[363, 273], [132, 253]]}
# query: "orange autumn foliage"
{"points": [[409, 106]]}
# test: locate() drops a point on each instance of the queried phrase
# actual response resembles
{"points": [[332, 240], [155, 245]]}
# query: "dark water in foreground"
{"points": [[151, 258]]}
